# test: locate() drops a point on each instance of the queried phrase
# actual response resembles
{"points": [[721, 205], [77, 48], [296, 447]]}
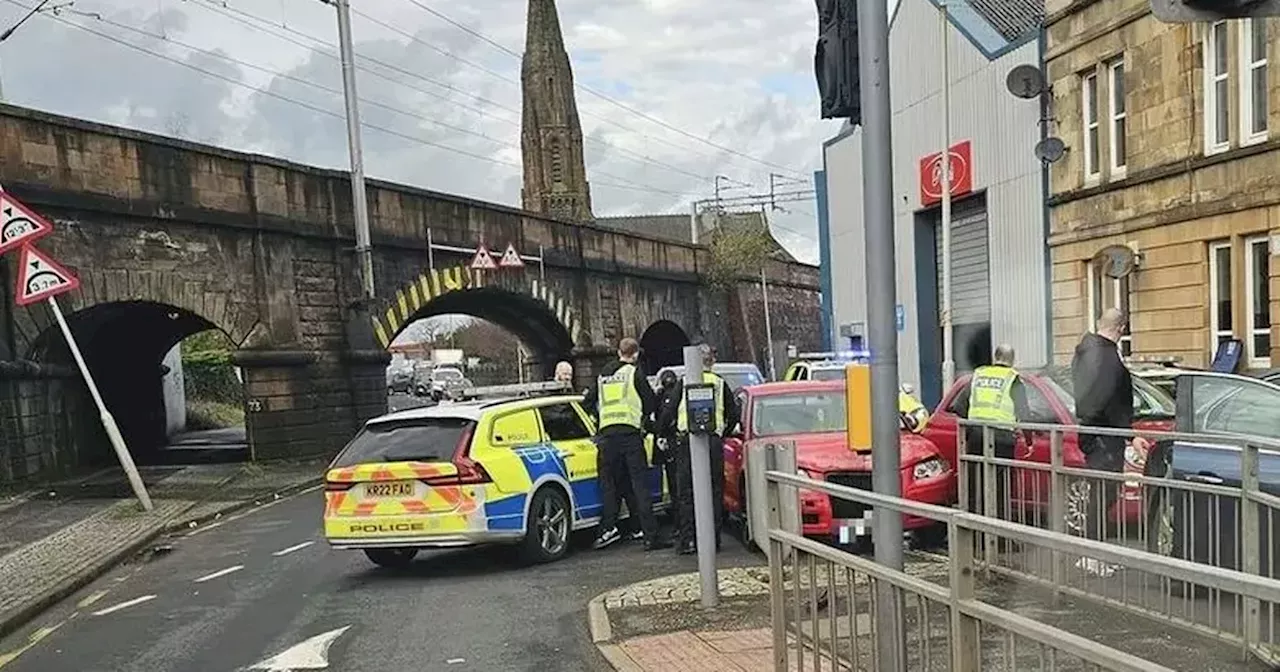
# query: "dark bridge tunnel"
{"points": [[662, 345], [524, 316], [124, 345]]}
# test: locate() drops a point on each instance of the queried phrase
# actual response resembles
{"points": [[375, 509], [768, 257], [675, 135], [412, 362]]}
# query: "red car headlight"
{"points": [[930, 468]]}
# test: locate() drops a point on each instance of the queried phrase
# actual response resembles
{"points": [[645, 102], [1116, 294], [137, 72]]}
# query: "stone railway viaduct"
{"points": [[171, 238]]}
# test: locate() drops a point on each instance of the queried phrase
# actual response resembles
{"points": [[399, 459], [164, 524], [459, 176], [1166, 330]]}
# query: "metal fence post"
{"points": [[1250, 533], [989, 475], [964, 480], [966, 636], [777, 577], [1057, 507]]}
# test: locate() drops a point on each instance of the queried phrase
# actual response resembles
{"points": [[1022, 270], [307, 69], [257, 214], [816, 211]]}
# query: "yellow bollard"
{"points": [[857, 401]]}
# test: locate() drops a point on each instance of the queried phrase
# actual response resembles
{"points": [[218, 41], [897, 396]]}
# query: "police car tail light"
{"points": [[337, 486], [470, 472]]}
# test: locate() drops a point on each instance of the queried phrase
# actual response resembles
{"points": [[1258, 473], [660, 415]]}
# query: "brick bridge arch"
{"points": [[543, 318]]}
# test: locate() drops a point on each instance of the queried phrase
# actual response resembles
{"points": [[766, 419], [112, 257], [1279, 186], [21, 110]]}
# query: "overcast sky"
{"points": [[440, 103]]}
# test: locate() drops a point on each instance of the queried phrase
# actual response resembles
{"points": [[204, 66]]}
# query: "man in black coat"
{"points": [[1103, 390]]}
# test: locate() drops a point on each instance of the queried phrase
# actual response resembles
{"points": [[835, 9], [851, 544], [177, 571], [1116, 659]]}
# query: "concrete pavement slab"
{"points": [[660, 625]]}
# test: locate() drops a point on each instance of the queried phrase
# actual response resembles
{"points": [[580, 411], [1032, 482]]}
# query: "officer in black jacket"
{"points": [[664, 453]]}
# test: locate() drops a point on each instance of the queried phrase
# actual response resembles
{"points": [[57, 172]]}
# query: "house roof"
{"points": [[1013, 19], [676, 227]]}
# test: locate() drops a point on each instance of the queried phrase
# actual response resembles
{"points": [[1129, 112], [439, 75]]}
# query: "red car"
{"points": [[1051, 402], [812, 413]]}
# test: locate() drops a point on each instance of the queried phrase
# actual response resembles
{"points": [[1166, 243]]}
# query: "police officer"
{"points": [[726, 418], [622, 399], [996, 395], [665, 442], [915, 417]]}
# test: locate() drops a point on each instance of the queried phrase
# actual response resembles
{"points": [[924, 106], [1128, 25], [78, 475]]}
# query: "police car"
{"points": [[831, 366], [514, 465]]}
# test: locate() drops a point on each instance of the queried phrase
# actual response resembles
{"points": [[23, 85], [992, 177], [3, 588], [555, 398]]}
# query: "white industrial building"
{"points": [[999, 256]]}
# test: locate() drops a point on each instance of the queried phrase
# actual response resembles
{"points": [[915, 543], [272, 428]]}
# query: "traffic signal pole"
{"points": [[882, 292]]}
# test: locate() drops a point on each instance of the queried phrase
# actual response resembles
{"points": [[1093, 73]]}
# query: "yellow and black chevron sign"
{"points": [[433, 283]]}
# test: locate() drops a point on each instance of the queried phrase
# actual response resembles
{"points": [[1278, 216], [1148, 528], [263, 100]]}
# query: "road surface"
{"points": [[262, 592]]}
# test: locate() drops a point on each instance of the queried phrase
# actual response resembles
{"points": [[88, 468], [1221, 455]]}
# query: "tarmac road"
{"points": [[231, 596]]}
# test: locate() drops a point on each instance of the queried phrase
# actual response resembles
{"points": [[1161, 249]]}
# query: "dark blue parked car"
{"points": [[1199, 526]]}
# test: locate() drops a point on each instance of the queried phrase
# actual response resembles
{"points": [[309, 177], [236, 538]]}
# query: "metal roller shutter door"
{"points": [[970, 263]]}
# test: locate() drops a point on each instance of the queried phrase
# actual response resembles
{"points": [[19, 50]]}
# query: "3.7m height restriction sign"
{"points": [[40, 277]]}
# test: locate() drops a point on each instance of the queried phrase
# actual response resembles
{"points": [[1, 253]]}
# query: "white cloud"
{"points": [[738, 74]]}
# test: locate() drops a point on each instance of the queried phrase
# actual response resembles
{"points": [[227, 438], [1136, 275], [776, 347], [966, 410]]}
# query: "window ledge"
{"points": [[1119, 172], [1254, 139], [1211, 150]]}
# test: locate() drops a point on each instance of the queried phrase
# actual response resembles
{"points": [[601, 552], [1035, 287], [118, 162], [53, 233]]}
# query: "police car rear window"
{"points": [[424, 440]]}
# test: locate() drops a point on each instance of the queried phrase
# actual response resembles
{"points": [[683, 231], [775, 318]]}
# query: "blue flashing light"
{"points": [[853, 354]]}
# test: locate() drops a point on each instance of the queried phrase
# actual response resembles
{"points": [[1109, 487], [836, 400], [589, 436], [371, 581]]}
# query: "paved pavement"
{"points": [[658, 626], [261, 583], [57, 540]]}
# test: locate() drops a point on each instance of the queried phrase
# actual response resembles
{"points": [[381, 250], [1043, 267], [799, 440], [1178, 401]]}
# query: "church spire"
{"points": [[555, 173]]}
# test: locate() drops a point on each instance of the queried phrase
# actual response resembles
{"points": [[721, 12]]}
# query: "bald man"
{"points": [[1103, 390]]}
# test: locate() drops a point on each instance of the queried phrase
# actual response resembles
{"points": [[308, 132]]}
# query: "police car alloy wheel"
{"points": [[548, 526]]}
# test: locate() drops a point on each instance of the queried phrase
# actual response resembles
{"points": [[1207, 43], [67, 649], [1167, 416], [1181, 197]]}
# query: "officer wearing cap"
{"points": [[726, 418]]}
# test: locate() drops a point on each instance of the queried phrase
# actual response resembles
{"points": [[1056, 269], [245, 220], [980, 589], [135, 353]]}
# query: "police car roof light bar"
{"points": [[519, 389], [835, 355]]}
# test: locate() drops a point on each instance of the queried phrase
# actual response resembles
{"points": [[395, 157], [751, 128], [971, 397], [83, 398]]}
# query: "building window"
{"points": [[1116, 116], [1089, 105], [1217, 114], [1104, 293], [1257, 273], [1219, 295], [1253, 81]]}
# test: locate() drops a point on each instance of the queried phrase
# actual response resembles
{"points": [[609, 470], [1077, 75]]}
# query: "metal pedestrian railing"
{"points": [[1210, 507], [833, 610]]}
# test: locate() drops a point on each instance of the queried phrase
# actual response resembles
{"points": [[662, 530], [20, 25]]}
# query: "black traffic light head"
{"points": [[1205, 11], [835, 60]]}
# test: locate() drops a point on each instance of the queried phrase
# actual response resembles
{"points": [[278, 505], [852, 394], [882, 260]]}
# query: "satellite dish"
{"points": [[1050, 149], [1025, 81], [1116, 261]]}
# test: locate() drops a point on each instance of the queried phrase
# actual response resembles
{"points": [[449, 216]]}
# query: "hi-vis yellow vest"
{"points": [[913, 412], [620, 404], [682, 420], [990, 394]]}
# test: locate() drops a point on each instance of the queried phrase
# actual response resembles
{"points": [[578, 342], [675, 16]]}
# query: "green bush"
{"points": [[202, 414], [207, 369]]}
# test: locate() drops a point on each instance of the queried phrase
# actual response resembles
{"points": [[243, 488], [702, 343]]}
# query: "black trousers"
{"points": [[685, 523], [1102, 453], [1004, 448], [667, 460], [622, 469]]}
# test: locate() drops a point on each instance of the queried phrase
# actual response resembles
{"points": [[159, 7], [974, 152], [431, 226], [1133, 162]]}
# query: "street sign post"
{"points": [[40, 278], [703, 494]]}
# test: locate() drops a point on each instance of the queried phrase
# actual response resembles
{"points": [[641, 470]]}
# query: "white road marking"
{"points": [[311, 654], [221, 572], [295, 547], [124, 605]]}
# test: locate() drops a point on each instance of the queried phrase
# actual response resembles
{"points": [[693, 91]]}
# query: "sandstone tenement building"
{"points": [[1173, 136]]}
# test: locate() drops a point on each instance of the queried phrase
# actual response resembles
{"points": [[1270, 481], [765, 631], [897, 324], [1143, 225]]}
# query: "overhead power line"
{"points": [[321, 110], [320, 46]]}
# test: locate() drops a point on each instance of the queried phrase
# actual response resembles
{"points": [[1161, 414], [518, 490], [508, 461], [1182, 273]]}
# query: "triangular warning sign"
{"points": [[511, 258], [40, 277], [19, 224], [483, 261]]}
